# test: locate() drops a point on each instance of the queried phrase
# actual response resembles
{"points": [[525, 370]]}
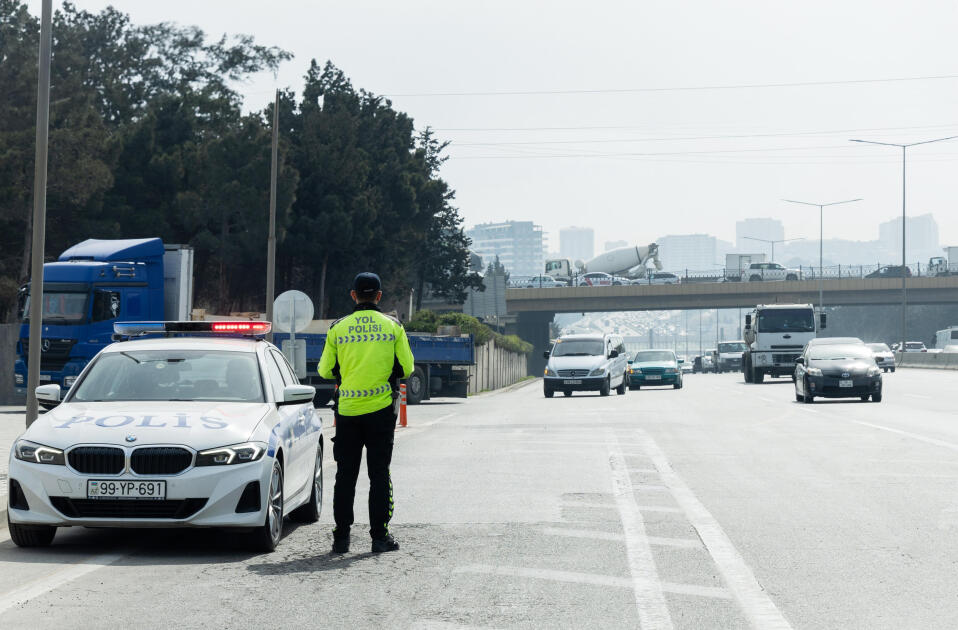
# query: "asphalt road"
{"points": [[721, 505]]}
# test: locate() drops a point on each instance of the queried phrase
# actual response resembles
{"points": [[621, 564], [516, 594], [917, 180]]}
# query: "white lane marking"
{"points": [[591, 578], [753, 599], [646, 585], [38, 587], [643, 471], [585, 504], [595, 534], [660, 508], [914, 436], [649, 487]]}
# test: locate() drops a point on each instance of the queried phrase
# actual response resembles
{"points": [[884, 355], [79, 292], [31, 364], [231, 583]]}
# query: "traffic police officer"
{"points": [[367, 353]]}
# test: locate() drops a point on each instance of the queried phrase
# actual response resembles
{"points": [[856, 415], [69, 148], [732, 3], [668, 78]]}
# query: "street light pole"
{"points": [[904, 263], [772, 242], [821, 240], [38, 238], [271, 239]]}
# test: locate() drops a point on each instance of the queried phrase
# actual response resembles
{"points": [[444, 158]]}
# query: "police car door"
{"points": [[300, 462]]}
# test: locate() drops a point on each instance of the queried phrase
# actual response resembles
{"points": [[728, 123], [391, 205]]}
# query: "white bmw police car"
{"points": [[209, 430]]}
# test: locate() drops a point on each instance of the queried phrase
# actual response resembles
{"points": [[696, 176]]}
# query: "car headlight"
{"points": [[226, 455], [874, 371], [813, 371], [549, 372], [38, 453], [671, 370], [597, 372]]}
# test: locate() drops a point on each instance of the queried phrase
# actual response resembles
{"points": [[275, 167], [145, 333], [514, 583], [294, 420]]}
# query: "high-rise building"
{"points": [[921, 237], [691, 252], [577, 243], [518, 244], [610, 245], [763, 228]]}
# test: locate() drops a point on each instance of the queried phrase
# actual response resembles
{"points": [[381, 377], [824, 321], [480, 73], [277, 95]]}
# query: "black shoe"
{"points": [[341, 545], [385, 544]]}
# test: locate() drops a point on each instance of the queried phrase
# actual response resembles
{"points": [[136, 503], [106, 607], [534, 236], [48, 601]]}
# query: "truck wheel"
{"points": [[415, 386], [747, 370], [606, 387], [758, 375]]}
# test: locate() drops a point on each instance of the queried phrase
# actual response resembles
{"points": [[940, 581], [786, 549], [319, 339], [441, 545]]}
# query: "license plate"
{"points": [[45, 377], [653, 377], [576, 381], [125, 489], [846, 383]]}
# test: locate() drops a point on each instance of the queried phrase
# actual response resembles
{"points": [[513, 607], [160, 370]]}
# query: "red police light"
{"points": [[248, 328]]}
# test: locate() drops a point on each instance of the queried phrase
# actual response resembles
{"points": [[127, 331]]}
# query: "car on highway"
{"points": [[950, 349], [686, 366], [655, 368], [595, 279], [837, 371], [890, 271], [728, 356], [586, 362], [539, 282], [199, 430], [659, 277], [765, 271], [884, 357]]}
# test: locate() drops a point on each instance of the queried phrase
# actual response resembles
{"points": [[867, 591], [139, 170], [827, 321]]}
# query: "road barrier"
{"points": [[934, 360], [402, 404], [495, 368]]}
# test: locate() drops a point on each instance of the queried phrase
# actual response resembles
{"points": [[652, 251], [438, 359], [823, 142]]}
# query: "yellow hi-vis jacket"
{"points": [[364, 348]]}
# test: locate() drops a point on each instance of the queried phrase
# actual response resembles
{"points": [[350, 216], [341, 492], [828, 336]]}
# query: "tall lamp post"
{"points": [[821, 238], [772, 242], [904, 263]]}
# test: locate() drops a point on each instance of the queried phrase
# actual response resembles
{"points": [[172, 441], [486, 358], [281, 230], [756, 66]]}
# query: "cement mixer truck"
{"points": [[630, 262]]}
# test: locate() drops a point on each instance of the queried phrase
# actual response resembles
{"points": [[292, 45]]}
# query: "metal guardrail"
{"points": [[935, 360]]}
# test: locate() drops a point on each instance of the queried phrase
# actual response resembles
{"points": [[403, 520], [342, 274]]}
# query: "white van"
{"points": [[586, 362]]}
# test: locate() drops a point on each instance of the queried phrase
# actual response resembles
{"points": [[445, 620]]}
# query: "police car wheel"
{"points": [[266, 536], [30, 535], [310, 511]]}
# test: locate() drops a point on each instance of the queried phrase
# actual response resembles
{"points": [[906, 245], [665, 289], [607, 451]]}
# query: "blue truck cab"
{"points": [[93, 285]]}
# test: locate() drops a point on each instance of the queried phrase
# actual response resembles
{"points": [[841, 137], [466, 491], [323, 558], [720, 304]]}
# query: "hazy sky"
{"points": [[640, 164]]}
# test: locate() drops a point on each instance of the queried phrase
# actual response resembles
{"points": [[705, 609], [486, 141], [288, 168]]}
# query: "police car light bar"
{"points": [[138, 329]]}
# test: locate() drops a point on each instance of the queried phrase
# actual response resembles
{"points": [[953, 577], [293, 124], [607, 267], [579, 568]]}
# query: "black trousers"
{"points": [[374, 431]]}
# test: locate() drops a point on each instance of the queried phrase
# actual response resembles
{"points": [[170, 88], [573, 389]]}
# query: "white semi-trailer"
{"points": [[630, 262], [775, 335], [946, 265]]}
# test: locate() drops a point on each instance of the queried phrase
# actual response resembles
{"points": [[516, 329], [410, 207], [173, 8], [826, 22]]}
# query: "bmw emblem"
{"points": [[131, 438], [845, 374]]}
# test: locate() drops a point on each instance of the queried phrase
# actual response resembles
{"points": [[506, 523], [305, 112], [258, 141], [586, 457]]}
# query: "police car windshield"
{"points": [[578, 348], [172, 375]]}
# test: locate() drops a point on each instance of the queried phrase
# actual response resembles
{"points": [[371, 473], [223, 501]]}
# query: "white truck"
{"points": [[946, 337], [946, 265], [775, 335], [630, 262], [736, 264]]}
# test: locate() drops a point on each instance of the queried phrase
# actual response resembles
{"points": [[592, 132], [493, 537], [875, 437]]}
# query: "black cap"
{"points": [[367, 284]]}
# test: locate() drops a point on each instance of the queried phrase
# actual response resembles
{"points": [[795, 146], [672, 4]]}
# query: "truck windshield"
{"points": [[578, 348], [786, 320], [172, 375], [736, 346], [60, 307]]}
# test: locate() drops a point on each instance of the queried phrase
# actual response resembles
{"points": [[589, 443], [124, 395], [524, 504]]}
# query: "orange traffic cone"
{"points": [[402, 405]]}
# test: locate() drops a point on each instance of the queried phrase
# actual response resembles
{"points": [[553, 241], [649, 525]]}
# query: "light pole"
{"points": [[821, 237], [904, 264], [772, 242]]}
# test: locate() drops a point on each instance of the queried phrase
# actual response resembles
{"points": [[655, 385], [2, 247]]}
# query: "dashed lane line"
{"points": [[611, 506], [646, 584], [752, 598], [43, 585], [594, 534], [592, 579], [914, 436]]}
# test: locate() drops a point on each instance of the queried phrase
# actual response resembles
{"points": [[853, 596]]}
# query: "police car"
{"points": [[178, 424]]}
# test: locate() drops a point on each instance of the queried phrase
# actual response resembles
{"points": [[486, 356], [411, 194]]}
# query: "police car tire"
{"points": [[310, 511], [30, 535], [567, 393], [263, 537], [547, 392]]}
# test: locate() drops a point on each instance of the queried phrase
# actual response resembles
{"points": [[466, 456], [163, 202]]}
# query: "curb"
{"points": [[3, 514], [507, 388]]}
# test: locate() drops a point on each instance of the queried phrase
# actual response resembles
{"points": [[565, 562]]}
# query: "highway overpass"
{"points": [[537, 307]]}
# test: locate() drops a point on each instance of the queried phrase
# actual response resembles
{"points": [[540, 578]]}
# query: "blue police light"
{"points": [[138, 329]]}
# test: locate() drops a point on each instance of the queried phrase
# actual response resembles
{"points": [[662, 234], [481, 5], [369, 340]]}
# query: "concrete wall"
{"points": [[939, 360], [496, 367], [8, 354]]}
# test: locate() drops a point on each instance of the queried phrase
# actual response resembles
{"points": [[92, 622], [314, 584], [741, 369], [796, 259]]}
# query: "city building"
{"points": [[762, 228], [921, 237], [610, 245], [687, 252], [518, 244], [576, 243]]}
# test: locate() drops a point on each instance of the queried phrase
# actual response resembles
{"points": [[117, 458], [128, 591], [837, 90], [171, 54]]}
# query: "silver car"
{"points": [[884, 357]]}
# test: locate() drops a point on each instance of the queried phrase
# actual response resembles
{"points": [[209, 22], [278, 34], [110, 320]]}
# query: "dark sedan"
{"points": [[837, 371]]}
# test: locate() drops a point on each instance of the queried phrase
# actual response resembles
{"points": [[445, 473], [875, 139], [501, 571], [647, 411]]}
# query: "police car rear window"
{"points": [[172, 375]]}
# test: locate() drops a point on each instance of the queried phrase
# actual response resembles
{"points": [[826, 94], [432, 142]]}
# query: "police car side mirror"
{"points": [[297, 394], [48, 393]]}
